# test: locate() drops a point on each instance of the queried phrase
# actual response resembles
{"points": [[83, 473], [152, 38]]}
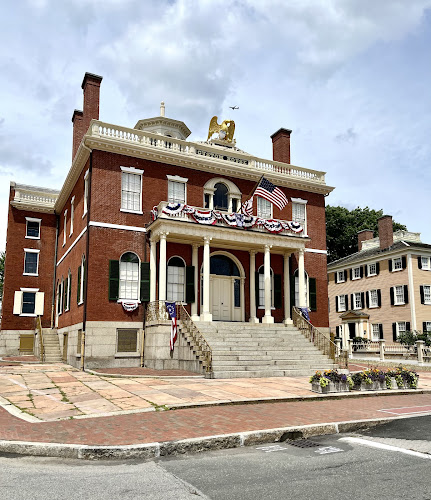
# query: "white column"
{"points": [[206, 315], [301, 279], [253, 317], [286, 279], [162, 267], [195, 263], [267, 279], [153, 270]]}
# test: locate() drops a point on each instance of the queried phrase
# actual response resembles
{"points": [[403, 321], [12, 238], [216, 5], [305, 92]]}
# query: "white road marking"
{"points": [[269, 449], [327, 449], [387, 447]]}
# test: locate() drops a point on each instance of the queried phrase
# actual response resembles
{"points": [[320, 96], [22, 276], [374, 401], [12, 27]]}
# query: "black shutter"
{"points": [[312, 293], [390, 265], [336, 304], [114, 279], [351, 274], [347, 302], [190, 284], [337, 331], [352, 301], [362, 271], [404, 261], [145, 282], [394, 332], [379, 298], [381, 331], [424, 326], [391, 290], [407, 326], [419, 262], [78, 291], [366, 270], [367, 298], [362, 300], [406, 294], [277, 291], [336, 277], [421, 289], [256, 288], [345, 275], [377, 268]]}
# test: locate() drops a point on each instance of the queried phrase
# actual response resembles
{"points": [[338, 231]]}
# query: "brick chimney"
{"points": [[281, 145], [365, 234], [386, 233], [77, 130]]}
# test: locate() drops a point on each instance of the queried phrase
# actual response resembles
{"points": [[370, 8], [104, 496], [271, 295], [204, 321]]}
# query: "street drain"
{"points": [[302, 443]]}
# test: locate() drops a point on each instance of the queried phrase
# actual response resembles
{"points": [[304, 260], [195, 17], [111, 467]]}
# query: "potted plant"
{"points": [[407, 379], [330, 381], [372, 379]]}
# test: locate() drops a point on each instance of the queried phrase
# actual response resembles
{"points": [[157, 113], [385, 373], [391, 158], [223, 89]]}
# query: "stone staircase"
{"points": [[256, 350], [51, 346]]}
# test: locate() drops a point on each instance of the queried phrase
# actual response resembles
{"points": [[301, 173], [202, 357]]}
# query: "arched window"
{"points": [[261, 302], [129, 276], [176, 280], [221, 197], [222, 265], [222, 194]]}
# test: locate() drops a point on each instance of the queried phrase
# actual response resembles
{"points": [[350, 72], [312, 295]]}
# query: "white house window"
{"points": [[31, 262], [85, 193], [401, 328], [297, 301], [72, 213], [397, 264], [68, 289], [375, 335], [177, 189], [32, 230], [261, 302], [28, 302], [64, 227], [372, 269], [176, 280], [427, 325], [81, 280], [357, 300], [399, 295], [341, 303], [131, 189], [426, 263], [356, 273], [264, 208], [340, 277], [373, 297], [299, 212], [129, 276], [427, 294], [222, 194]]}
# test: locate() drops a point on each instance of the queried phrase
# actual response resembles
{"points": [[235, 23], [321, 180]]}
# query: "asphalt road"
{"points": [[329, 467]]}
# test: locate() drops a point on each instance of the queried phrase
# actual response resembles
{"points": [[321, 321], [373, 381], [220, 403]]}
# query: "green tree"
{"points": [[2, 257], [342, 226]]}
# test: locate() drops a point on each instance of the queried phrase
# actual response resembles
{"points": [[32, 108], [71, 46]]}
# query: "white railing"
{"points": [[152, 140], [183, 215], [26, 195]]}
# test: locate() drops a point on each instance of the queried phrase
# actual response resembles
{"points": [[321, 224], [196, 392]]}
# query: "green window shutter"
{"points": [[78, 290], [84, 280], [70, 291], [114, 279], [312, 293], [145, 281], [256, 288], [190, 284], [277, 291]]}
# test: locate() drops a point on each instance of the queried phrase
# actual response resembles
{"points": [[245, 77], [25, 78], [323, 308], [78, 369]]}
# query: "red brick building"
{"points": [[145, 215]]}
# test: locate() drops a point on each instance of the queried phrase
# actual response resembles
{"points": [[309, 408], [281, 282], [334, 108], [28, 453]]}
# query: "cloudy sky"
{"points": [[351, 78]]}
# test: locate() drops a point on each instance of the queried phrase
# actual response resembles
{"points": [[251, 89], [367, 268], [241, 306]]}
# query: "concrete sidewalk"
{"points": [[132, 426]]}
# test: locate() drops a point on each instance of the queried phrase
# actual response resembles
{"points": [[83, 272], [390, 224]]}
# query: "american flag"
{"points": [[172, 310], [271, 193], [247, 207]]}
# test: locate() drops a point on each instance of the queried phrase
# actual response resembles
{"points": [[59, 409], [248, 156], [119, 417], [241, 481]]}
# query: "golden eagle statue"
{"points": [[225, 130]]}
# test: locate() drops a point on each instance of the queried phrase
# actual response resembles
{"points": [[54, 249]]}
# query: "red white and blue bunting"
{"points": [[211, 217], [129, 305]]}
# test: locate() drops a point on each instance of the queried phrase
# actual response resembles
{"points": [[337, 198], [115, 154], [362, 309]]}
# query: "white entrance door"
{"points": [[221, 301]]}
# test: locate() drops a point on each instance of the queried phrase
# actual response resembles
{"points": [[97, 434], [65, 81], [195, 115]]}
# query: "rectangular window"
{"points": [[372, 269], [374, 299], [31, 262], [375, 332], [340, 277], [127, 340], [175, 289], [299, 213], [131, 189], [264, 208], [72, 213], [427, 326], [426, 263], [401, 328], [397, 264], [177, 191], [427, 294], [399, 295], [85, 193], [64, 227], [357, 300], [129, 280], [32, 228], [28, 302], [356, 273], [341, 303]]}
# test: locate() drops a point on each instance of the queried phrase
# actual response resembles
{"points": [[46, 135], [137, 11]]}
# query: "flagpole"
{"points": [[251, 193]]}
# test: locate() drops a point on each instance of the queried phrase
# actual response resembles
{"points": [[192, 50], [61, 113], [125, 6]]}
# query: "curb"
{"points": [[122, 375], [151, 451]]}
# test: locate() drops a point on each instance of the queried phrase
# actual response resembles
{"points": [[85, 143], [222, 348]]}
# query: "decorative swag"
{"points": [[211, 217]]}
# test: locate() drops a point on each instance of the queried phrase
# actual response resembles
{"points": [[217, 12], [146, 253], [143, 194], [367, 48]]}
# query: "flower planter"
{"points": [[374, 386], [330, 388]]}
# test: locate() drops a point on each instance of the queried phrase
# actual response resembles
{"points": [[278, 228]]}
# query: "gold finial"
{"points": [[225, 130]]}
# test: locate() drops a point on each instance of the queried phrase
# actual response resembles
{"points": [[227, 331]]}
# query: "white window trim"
{"points": [[369, 298], [369, 273], [427, 326], [72, 213], [393, 264], [32, 219], [133, 170], [353, 273], [29, 290], [271, 207], [338, 277], [233, 192], [341, 308], [272, 287], [81, 287], [181, 180], [31, 250], [64, 227], [428, 266], [124, 299], [427, 303], [167, 272], [85, 194], [395, 295], [373, 338], [398, 327], [68, 294], [354, 307], [301, 201]]}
